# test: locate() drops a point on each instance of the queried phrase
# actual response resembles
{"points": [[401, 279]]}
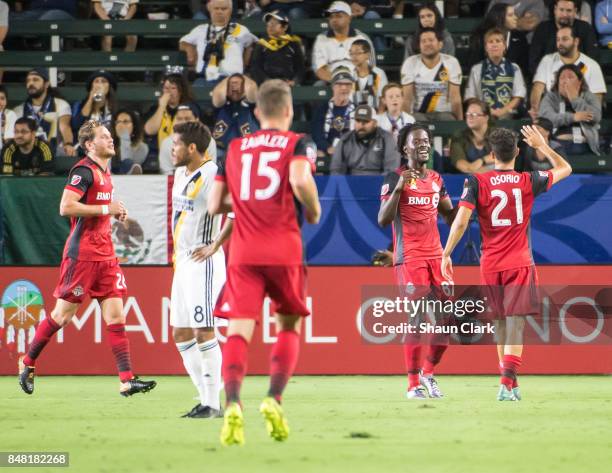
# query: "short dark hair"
{"points": [[577, 3], [31, 123], [438, 34], [405, 132], [484, 106], [544, 123], [363, 44], [3, 91], [503, 143], [194, 132], [572, 28]]}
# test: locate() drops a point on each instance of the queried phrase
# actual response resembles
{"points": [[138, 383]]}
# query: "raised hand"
{"points": [[532, 136]]}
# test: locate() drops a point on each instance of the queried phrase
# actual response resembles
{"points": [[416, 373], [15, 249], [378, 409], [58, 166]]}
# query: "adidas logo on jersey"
{"points": [[225, 307]]}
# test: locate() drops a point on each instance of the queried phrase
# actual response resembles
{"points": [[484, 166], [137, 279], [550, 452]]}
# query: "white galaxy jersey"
{"points": [[192, 226]]}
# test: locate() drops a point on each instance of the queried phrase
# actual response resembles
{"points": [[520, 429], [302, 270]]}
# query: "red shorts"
{"points": [[247, 285], [98, 279], [512, 292], [423, 273]]}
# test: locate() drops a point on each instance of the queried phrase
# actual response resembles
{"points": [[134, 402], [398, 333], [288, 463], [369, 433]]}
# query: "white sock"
{"points": [[192, 362], [211, 372]]}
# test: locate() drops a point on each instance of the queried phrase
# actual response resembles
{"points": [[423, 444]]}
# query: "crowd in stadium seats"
{"points": [[535, 60]]}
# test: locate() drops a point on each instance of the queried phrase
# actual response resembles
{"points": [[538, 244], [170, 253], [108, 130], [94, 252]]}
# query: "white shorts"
{"points": [[195, 288]]}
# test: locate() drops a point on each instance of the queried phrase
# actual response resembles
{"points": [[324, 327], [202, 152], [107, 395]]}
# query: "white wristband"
{"points": [[105, 210]]}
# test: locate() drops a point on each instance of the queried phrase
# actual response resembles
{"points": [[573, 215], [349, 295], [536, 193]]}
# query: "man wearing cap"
{"points": [[220, 48], [100, 103], [336, 117], [331, 49], [51, 114], [280, 55], [367, 150]]}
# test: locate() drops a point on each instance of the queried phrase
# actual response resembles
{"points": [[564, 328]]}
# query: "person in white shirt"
{"points": [[7, 119], [331, 49], [431, 81], [497, 81], [218, 49], [184, 114], [370, 81], [567, 53], [116, 10], [393, 118]]}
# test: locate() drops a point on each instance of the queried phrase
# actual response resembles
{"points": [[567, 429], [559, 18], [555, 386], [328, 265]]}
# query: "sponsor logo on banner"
{"points": [[22, 307]]}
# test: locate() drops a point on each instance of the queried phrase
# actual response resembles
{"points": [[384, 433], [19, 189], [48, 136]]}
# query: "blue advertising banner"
{"points": [[572, 223]]}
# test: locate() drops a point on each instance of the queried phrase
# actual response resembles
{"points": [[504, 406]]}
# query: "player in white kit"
{"points": [[199, 265]]}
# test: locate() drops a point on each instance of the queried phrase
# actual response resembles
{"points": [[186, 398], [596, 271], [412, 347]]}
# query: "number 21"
{"points": [[505, 222]]}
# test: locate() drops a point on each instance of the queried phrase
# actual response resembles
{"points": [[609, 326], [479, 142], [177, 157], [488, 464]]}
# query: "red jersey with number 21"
{"points": [[503, 200], [256, 171]]}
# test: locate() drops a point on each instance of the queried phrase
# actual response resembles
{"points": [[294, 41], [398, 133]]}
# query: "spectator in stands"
{"points": [[603, 22], [26, 155], [567, 53], [432, 81], [49, 10], [233, 98], [469, 149], [100, 103], [360, 9], [429, 17], [51, 114], [331, 49], [220, 48], [336, 117], [496, 80], [294, 9], [574, 111], [393, 118], [502, 17], [130, 148], [280, 55], [565, 16], [367, 149], [4, 16], [370, 80], [531, 159], [116, 10], [7, 119], [183, 115], [529, 13], [175, 91]]}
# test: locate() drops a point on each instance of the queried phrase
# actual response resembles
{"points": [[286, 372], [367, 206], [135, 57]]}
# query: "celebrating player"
{"points": [[89, 265], [503, 199], [411, 198], [199, 265], [263, 175]]}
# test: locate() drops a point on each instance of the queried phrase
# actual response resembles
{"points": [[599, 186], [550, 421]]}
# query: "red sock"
{"points": [[433, 358], [120, 346], [511, 365], [44, 332], [412, 357], [235, 356], [283, 359]]}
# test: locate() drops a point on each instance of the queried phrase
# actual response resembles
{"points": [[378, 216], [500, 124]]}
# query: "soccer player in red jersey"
{"points": [[89, 265], [411, 199], [263, 176], [503, 199]]}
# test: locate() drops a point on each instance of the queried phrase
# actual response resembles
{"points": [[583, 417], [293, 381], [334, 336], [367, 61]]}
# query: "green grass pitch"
{"points": [[345, 424]]}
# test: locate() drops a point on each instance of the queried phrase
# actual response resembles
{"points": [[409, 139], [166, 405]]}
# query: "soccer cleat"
{"points": [[26, 379], [193, 410], [276, 422], [232, 432], [430, 383], [204, 412], [136, 385], [416, 393], [505, 394], [517, 393]]}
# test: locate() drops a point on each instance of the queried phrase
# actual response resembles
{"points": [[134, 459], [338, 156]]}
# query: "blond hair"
{"points": [[272, 98], [87, 132]]}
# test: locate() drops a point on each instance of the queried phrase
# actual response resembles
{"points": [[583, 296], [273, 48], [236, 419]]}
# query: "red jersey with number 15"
{"points": [[90, 237], [256, 171], [503, 200]]}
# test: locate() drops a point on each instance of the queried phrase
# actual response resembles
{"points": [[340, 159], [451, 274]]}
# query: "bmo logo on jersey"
{"points": [[425, 200], [104, 196]]}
